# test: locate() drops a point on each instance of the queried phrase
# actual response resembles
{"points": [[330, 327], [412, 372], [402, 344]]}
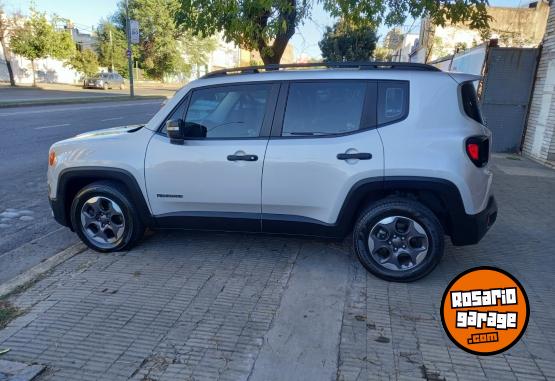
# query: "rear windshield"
{"points": [[470, 102]]}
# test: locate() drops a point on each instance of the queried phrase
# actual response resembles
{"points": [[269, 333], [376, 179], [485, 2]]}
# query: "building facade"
{"points": [[512, 27], [539, 138]]}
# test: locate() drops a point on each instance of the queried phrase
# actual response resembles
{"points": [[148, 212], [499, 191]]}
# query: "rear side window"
{"points": [[323, 108], [393, 101], [470, 102]]}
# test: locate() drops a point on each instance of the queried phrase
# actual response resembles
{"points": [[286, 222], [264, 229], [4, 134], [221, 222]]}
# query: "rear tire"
{"points": [[398, 239], [103, 216]]}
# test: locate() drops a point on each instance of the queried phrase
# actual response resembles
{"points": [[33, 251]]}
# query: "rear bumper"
{"points": [[469, 229]]}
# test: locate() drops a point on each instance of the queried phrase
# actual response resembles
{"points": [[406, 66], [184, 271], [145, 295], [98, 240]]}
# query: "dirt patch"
{"points": [[7, 313]]}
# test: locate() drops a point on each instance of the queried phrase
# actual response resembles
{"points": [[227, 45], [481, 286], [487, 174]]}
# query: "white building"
{"points": [[402, 52]]}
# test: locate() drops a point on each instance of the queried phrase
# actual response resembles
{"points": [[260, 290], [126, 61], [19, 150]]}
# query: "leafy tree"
{"points": [[381, 53], [6, 26], [85, 62], [268, 25], [196, 50], [111, 47], [346, 43], [38, 39], [158, 49]]}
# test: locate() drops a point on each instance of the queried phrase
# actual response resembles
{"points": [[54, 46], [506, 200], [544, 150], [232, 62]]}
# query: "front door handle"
{"points": [[242, 157], [353, 156]]}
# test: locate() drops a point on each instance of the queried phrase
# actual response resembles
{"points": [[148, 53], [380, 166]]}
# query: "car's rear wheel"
{"points": [[105, 86], [104, 218], [398, 239]]}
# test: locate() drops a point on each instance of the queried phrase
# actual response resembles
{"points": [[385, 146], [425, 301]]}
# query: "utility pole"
{"points": [[112, 50], [129, 55]]}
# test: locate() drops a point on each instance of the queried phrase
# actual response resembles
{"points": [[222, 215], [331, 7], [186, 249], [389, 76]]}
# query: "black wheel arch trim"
{"points": [[61, 204], [446, 200]]}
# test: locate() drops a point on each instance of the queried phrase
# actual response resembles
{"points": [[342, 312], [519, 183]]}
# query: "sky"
{"points": [[86, 14]]}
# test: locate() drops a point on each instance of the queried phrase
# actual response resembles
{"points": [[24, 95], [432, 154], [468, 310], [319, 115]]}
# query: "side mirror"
{"points": [[173, 128]]}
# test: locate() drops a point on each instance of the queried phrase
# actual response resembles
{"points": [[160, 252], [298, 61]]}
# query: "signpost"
{"points": [[129, 54]]}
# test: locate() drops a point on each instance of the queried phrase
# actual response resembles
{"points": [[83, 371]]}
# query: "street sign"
{"points": [[128, 53], [134, 31]]}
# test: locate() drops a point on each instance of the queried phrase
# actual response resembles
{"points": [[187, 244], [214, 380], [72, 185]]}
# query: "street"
{"points": [[27, 134]]}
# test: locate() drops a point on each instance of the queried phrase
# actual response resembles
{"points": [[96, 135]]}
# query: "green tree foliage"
{"points": [[381, 53], [196, 50], [158, 49], [265, 25], [346, 43], [85, 62], [268, 25], [111, 47], [38, 39]]}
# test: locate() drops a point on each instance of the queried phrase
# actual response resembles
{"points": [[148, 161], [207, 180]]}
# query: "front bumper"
{"points": [[469, 229], [58, 212]]}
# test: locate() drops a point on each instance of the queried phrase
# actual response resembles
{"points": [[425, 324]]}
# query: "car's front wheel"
{"points": [[104, 218], [398, 239]]}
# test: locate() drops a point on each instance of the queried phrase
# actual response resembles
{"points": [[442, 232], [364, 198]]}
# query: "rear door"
{"points": [[323, 142]]}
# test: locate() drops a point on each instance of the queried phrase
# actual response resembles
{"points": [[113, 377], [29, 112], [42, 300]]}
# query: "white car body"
{"points": [[295, 179]]}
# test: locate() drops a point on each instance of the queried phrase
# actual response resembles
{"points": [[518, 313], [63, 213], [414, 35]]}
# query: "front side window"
{"points": [[323, 108], [393, 101], [229, 111]]}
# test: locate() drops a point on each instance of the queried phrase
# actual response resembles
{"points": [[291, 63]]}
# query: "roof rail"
{"points": [[370, 65]]}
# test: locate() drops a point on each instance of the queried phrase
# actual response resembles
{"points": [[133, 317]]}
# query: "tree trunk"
{"points": [[33, 69], [272, 54], [7, 57], [271, 60]]}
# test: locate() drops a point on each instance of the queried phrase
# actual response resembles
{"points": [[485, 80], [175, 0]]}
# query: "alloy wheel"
{"points": [[102, 221], [398, 243]]}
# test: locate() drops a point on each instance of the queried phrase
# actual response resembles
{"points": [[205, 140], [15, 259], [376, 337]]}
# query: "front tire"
{"points": [[103, 217], [398, 239]]}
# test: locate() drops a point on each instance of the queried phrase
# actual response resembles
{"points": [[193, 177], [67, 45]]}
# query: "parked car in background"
{"points": [[104, 81]]}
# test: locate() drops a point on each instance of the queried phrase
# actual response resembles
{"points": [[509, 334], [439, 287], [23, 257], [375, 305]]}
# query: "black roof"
{"points": [[370, 65]]}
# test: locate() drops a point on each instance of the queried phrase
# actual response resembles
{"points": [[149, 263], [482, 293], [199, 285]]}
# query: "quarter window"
{"points": [[229, 111], [323, 108], [393, 101], [470, 102]]}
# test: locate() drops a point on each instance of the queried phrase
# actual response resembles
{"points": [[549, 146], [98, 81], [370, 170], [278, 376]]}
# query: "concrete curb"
{"points": [[31, 274], [65, 101]]}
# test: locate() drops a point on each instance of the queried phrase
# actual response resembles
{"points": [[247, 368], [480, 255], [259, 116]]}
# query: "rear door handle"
{"points": [[242, 157], [352, 156]]}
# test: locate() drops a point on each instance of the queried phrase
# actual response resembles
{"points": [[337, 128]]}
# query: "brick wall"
{"points": [[539, 141]]}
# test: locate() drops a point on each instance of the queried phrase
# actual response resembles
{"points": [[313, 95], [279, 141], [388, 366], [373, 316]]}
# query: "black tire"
{"points": [[401, 207], [133, 228]]}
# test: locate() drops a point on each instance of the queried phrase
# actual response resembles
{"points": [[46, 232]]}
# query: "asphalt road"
{"points": [[28, 233]]}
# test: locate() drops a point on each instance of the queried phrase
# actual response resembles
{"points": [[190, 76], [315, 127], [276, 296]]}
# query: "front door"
{"points": [[214, 181]]}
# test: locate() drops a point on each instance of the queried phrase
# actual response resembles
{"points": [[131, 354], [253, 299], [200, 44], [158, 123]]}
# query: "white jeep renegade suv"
{"points": [[395, 153]]}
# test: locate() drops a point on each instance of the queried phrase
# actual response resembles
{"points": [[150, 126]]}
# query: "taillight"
{"points": [[477, 149]]}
